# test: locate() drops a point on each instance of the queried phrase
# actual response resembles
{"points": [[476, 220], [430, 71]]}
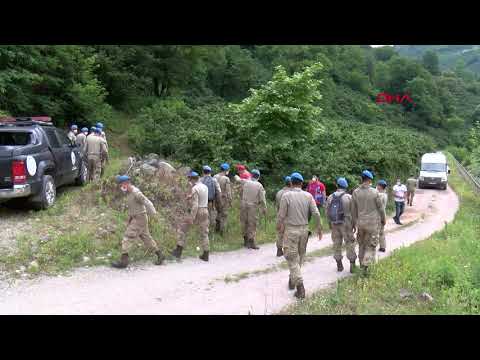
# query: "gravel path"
{"points": [[195, 287]]}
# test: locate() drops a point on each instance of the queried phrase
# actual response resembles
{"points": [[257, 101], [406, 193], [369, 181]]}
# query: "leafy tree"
{"points": [[430, 61]]}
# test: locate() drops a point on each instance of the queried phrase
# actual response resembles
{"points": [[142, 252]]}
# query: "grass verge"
{"points": [[445, 266]]}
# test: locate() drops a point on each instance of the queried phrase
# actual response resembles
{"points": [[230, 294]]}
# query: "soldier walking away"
{"points": [[381, 188], [399, 191], [253, 197], [81, 140], [96, 148], [278, 198], [411, 187], [214, 193], [296, 206], [92, 131], [339, 215], [198, 216], [137, 226], [367, 215], [72, 134], [225, 199], [104, 159]]}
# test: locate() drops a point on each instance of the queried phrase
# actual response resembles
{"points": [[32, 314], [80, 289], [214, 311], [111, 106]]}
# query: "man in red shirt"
{"points": [[318, 191], [243, 173]]}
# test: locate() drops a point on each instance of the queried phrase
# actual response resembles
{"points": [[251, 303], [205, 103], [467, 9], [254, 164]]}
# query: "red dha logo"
{"points": [[387, 98]]}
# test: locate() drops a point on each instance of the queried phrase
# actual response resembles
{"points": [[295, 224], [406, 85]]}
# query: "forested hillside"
{"points": [[313, 107]]}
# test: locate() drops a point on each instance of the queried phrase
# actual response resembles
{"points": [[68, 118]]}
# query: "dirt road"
{"points": [[195, 287]]}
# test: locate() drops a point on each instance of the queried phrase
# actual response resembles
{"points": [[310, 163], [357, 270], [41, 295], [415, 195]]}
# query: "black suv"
{"points": [[35, 159]]}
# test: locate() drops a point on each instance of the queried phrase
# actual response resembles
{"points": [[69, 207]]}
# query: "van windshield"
{"points": [[10, 138], [434, 167]]}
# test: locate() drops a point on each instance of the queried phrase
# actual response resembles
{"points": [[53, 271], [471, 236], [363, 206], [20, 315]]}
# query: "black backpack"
{"points": [[336, 214], [210, 183]]}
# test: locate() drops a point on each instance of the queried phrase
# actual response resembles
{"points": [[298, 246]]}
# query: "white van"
{"points": [[434, 171]]}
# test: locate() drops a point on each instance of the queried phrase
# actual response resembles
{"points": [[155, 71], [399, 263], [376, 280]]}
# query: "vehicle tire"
{"points": [[83, 176], [48, 194]]}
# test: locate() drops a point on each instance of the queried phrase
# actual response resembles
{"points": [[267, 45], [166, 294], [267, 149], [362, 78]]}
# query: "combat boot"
{"points": [[291, 285], [364, 270], [217, 227], [245, 241], [204, 256], [300, 293], [352, 267], [381, 249], [251, 245], [279, 252], [160, 257], [122, 263], [177, 252], [339, 265]]}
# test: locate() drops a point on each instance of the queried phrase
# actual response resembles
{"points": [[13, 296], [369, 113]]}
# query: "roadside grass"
{"points": [[446, 266]]}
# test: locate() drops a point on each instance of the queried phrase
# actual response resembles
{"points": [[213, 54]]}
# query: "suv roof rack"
{"points": [[25, 121]]}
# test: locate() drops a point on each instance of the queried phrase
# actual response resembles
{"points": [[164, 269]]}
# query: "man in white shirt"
{"points": [[399, 193]]}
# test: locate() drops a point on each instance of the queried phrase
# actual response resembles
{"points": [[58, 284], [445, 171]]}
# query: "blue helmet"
{"points": [[368, 174], [383, 183], [225, 167], [99, 125], [98, 130], [122, 178], [342, 182], [74, 127], [296, 176], [256, 172], [207, 168], [84, 129], [287, 179], [192, 174]]}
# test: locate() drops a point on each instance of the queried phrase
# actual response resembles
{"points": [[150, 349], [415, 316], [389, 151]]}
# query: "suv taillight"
{"points": [[19, 173]]}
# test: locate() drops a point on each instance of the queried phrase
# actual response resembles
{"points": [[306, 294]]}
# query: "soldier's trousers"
{"points": [[294, 250], [410, 195], [137, 227], [381, 237], [222, 216], [248, 220], [367, 237], [212, 213], [94, 167], [202, 221], [343, 233]]}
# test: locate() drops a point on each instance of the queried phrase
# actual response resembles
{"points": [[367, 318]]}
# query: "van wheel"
{"points": [[83, 176], [48, 194]]}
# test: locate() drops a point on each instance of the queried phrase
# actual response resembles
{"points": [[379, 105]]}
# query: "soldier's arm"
{"points": [[354, 210], [380, 209], [194, 210], [218, 190], [327, 207], [228, 189], [282, 213], [262, 199], [148, 204]]}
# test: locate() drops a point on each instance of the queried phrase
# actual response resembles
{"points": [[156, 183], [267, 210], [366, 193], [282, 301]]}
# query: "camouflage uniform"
{"points": [[367, 215], [411, 187], [343, 232], [71, 136], [199, 214], [253, 196], [224, 200], [381, 233], [96, 148], [278, 197], [212, 208], [137, 226], [296, 206], [81, 142]]}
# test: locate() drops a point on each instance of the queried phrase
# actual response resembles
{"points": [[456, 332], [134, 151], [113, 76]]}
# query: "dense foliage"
{"points": [[311, 104]]}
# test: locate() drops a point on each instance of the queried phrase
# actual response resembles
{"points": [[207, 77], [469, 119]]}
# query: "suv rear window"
{"points": [[10, 138]]}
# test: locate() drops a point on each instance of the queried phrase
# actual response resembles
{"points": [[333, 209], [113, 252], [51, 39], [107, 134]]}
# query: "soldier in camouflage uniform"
{"points": [[137, 227], [253, 197], [411, 187], [342, 231], [96, 148], [367, 215], [278, 197], [198, 216], [296, 206], [225, 200], [72, 134], [381, 186]]}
